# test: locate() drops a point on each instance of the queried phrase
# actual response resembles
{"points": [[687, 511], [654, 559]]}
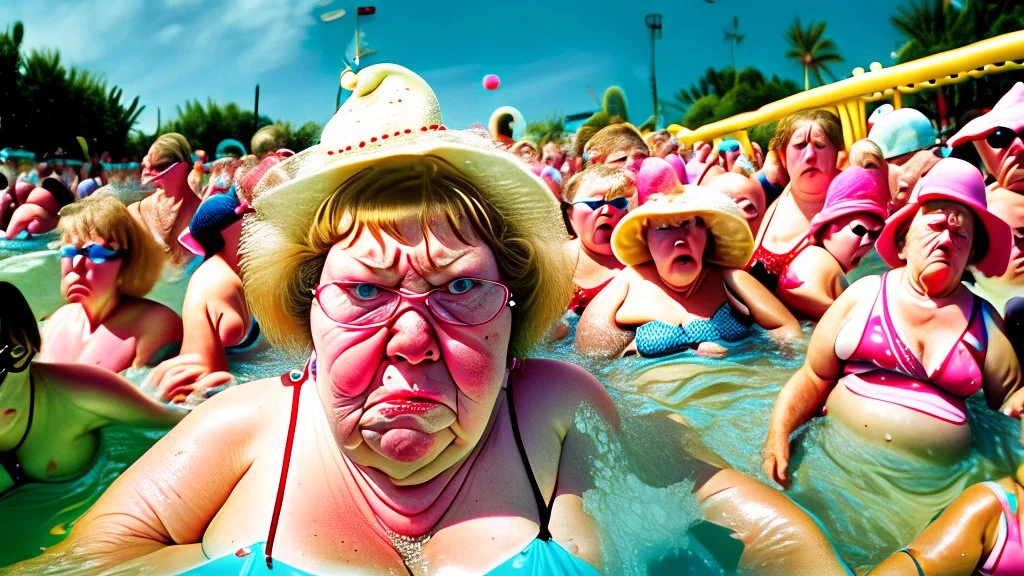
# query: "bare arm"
{"points": [[170, 495], [161, 328], [806, 391], [597, 333], [1001, 374], [766, 310], [107, 395], [955, 542], [814, 282]]}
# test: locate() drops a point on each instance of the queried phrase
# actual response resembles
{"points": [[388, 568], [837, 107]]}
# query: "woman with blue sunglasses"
{"points": [[108, 264]]}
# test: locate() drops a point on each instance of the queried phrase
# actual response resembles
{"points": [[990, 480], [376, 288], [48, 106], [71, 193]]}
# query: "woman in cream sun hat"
{"points": [[682, 287]]}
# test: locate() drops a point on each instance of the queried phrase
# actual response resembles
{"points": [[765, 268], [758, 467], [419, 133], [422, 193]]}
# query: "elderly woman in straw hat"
{"points": [[682, 288], [895, 357], [415, 439]]}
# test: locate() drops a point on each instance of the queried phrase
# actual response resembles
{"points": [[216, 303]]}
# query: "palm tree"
{"points": [[734, 38], [812, 49]]}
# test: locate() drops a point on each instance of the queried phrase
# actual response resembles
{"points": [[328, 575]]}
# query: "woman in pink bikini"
{"points": [[807, 144], [595, 201], [895, 357], [979, 533]]}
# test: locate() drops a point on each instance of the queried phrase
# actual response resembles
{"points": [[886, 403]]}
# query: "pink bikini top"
{"points": [[960, 372]]}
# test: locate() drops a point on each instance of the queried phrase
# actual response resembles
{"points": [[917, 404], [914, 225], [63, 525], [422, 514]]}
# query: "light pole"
{"points": [[653, 22]]}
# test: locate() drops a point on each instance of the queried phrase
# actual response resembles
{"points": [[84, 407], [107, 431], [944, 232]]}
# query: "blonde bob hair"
{"points": [[172, 147], [394, 190], [102, 215]]}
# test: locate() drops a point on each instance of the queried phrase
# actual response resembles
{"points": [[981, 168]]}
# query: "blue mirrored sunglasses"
{"points": [[619, 203], [94, 252]]}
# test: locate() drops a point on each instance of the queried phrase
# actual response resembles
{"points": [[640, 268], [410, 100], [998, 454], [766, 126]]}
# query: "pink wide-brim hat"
{"points": [[1008, 113], [855, 190], [957, 181]]}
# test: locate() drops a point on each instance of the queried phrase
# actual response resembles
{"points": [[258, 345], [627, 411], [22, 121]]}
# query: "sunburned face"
{"points": [[938, 244], [1010, 213], [810, 160], [1003, 155], [904, 173], [851, 237], [594, 226], [678, 250], [89, 279], [412, 397], [631, 158]]}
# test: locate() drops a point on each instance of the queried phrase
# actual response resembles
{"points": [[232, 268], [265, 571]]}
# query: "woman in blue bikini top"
{"points": [[682, 287]]}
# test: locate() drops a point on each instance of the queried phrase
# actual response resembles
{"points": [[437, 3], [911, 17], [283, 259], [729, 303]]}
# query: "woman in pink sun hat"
{"points": [[839, 237], [895, 357]]}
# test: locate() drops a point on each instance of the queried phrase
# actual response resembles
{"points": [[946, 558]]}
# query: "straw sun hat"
{"points": [[392, 113], [731, 242]]}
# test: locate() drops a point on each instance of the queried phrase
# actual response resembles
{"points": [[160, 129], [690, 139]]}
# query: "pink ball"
{"points": [[491, 82]]}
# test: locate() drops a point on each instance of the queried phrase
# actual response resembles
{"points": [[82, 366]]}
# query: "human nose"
{"points": [[412, 338]]}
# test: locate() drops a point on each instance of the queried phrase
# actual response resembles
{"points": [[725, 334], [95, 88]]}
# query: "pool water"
{"points": [[871, 502]]}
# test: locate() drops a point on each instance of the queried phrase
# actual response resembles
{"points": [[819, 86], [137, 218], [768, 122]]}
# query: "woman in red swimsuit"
{"points": [[895, 357], [595, 201], [807, 144]]}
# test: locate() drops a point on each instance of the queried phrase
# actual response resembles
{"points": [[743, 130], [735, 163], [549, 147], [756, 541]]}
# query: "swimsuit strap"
{"points": [[294, 379], [542, 507], [9, 458], [920, 571]]}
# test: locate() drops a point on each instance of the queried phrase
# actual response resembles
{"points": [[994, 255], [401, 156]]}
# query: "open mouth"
{"points": [[748, 208], [605, 226], [684, 259]]}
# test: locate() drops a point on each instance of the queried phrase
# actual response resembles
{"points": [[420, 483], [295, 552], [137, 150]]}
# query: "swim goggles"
{"points": [[462, 302], [1003, 137], [619, 203], [861, 230], [94, 252]]}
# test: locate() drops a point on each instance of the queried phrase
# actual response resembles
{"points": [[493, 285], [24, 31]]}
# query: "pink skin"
{"points": [[36, 213], [810, 160], [846, 247], [168, 175], [594, 227], [90, 284], [424, 391], [553, 156], [1006, 164], [938, 247], [631, 158], [904, 173], [678, 251]]}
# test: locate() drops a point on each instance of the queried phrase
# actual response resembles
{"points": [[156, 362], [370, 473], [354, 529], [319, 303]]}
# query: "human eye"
{"points": [[461, 285], [364, 291]]}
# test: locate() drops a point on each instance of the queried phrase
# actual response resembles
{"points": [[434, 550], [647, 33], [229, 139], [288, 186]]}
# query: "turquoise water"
{"points": [[870, 502]]}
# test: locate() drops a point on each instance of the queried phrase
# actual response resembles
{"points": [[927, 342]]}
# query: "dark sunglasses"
{"points": [[861, 230], [1003, 137], [98, 254], [619, 203]]}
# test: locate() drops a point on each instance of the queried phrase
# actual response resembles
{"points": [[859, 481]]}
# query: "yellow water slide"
{"points": [[847, 98]]}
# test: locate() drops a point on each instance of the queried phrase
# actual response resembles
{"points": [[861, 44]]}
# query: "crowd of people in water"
{"points": [[414, 267]]}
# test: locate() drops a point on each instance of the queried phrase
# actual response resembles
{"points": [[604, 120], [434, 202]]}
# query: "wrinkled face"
{"points": [[89, 281], [810, 160], [627, 158], [553, 156], [412, 397], [1013, 215], [594, 225], [904, 173], [1003, 156], [851, 237], [678, 250], [938, 243]]}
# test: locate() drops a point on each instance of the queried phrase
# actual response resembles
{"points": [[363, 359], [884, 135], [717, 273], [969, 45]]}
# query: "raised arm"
{"points": [[597, 333], [156, 512], [806, 391], [766, 310]]}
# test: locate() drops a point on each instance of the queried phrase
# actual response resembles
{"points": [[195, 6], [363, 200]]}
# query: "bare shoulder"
{"points": [[816, 260], [560, 388], [241, 412], [151, 311]]}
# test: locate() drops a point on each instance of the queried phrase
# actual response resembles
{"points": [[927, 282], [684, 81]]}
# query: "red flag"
{"points": [[366, 10]]}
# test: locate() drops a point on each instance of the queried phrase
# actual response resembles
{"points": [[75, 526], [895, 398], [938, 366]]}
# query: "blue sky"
{"points": [[551, 56]]}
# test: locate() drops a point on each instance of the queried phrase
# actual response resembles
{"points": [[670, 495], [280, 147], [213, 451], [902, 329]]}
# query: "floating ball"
{"points": [[491, 82]]}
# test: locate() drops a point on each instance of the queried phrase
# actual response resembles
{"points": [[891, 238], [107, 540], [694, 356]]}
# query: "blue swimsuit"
{"points": [[542, 556], [657, 338]]}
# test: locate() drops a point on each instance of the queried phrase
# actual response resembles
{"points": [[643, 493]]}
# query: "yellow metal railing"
{"points": [[847, 97]]}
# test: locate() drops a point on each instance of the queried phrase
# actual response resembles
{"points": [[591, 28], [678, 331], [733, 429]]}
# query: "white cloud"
{"points": [[83, 32], [168, 33]]}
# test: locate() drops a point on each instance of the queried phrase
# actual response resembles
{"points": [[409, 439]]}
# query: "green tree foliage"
{"points": [[47, 105], [302, 137], [206, 126], [933, 26], [550, 129], [812, 50]]}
